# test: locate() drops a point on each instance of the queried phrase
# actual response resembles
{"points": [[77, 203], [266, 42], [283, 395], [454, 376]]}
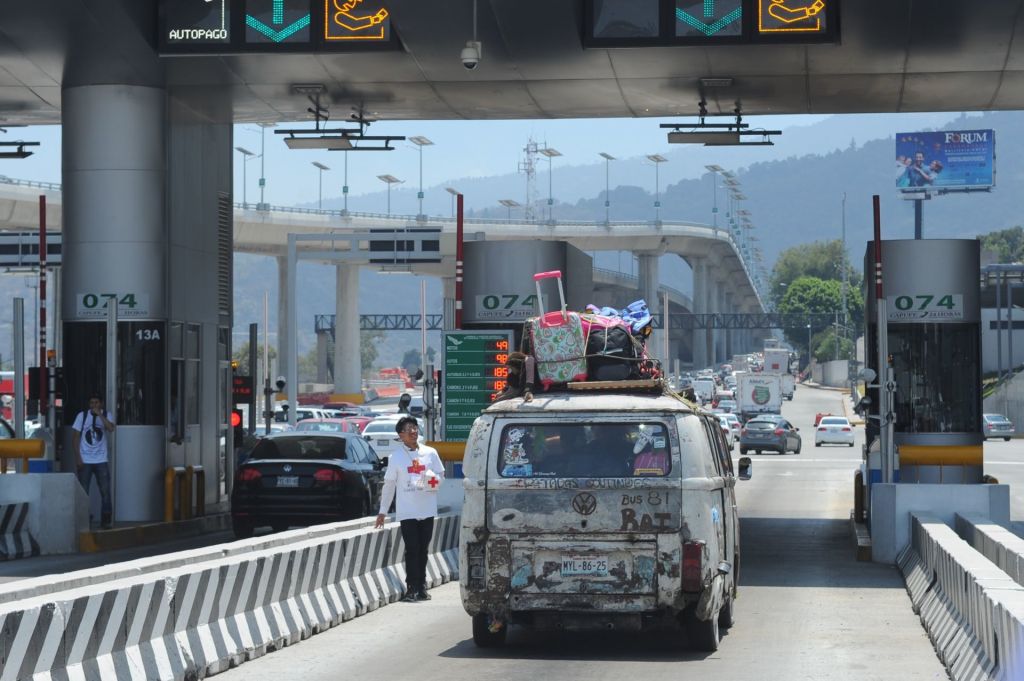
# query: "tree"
{"points": [[821, 259], [369, 341], [1006, 245], [824, 346], [241, 355], [811, 295], [307, 366], [411, 361]]}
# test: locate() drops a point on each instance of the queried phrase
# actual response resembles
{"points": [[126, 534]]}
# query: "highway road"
{"points": [[806, 610]]}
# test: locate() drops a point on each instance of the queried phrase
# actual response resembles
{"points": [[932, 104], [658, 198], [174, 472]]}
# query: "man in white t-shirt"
{"points": [[415, 473], [91, 432]]}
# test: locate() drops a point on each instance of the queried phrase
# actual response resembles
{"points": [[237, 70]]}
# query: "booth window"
{"points": [[936, 368]]}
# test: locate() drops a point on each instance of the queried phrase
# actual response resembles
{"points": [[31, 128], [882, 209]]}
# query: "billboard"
{"points": [[948, 159]]}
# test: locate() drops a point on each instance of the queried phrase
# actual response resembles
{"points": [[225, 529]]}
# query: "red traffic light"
{"points": [[236, 419]]}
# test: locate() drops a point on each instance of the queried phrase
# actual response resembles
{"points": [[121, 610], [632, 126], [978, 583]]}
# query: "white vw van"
{"points": [[599, 510]]}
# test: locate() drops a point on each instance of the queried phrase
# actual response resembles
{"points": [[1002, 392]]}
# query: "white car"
{"points": [[730, 434], [734, 425], [381, 434], [834, 430]]}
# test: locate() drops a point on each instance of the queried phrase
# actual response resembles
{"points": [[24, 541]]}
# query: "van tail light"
{"points": [[328, 475], [779, 431], [248, 474], [693, 557], [476, 559]]}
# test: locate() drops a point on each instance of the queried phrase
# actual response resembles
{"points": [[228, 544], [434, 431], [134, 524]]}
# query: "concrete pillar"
{"points": [[700, 283], [347, 361], [321, 357], [729, 334], [720, 345], [712, 307], [280, 343], [113, 169], [647, 269]]}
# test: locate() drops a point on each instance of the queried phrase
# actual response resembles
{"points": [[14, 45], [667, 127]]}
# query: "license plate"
{"points": [[595, 566], [287, 481], [383, 443]]}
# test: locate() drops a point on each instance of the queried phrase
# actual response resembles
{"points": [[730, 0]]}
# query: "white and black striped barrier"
{"points": [[15, 539], [972, 610], [193, 621]]}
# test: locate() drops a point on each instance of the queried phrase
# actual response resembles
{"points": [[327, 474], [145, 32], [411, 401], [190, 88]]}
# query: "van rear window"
{"points": [[585, 450]]}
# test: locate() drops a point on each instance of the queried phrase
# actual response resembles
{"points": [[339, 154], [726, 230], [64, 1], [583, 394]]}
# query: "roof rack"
{"points": [[644, 384]]}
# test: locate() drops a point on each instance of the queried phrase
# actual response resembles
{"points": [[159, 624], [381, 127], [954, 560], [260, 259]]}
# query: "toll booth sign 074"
{"points": [[475, 371]]}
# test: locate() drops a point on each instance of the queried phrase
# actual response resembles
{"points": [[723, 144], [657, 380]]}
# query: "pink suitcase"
{"points": [[557, 339]]}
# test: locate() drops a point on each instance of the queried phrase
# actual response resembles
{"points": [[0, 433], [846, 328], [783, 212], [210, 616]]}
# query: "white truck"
{"points": [[759, 393], [705, 389], [776, 361], [788, 386]]}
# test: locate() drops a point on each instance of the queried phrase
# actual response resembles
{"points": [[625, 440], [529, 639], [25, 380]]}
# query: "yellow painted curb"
{"points": [[450, 451], [949, 455]]}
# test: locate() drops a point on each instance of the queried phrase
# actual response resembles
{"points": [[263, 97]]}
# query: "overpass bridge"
{"points": [[724, 278]]}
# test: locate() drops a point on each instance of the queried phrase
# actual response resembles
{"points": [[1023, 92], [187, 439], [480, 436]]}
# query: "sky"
{"points": [[473, 149]]}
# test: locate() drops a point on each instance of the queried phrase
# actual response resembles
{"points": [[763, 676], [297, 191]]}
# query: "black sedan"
{"points": [[305, 478]]}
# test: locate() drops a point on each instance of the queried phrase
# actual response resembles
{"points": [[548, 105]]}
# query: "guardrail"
{"points": [[973, 611], [160, 625]]}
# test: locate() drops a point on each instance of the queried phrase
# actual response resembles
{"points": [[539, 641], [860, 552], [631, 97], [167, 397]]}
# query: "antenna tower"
{"points": [[529, 166]]}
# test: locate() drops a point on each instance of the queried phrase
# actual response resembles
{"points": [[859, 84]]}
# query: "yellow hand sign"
{"points": [[780, 10]]}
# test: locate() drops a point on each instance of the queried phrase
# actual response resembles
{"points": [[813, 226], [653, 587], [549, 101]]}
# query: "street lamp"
{"points": [[715, 169], [420, 142], [320, 195], [454, 192], [657, 160], [263, 162], [550, 153], [808, 346], [344, 187], [510, 204], [389, 180], [607, 195], [246, 157]]}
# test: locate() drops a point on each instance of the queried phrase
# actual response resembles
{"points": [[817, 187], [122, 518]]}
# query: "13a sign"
{"points": [[925, 308]]}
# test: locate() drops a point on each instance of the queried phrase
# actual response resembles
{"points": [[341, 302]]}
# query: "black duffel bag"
{"points": [[611, 354]]}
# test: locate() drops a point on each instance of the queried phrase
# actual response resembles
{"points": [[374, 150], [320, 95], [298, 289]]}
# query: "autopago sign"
{"points": [[506, 306], [925, 307]]}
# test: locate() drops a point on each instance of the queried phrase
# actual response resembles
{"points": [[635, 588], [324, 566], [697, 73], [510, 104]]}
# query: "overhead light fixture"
{"points": [[336, 139], [19, 149], [330, 143], [717, 134]]}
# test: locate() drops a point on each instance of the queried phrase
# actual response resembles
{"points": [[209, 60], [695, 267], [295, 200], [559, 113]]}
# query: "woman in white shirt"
{"points": [[415, 474]]}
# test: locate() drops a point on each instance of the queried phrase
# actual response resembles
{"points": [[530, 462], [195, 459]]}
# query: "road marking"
{"points": [[768, 458]]}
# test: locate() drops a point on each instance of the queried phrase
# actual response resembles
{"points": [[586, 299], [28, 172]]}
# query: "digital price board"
{"points": [[475, 371], [639, 23], [270, 26]]}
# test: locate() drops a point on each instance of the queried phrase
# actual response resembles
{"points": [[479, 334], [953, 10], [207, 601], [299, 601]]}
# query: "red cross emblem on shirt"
{"points": [[432, 482], [416, 467]]}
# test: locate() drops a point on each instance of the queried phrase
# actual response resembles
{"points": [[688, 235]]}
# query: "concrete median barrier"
{"points": [[192, 621], [15, 539], [972, 610]]}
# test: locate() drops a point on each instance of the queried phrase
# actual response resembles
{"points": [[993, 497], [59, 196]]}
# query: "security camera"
{"points": [[472, 53], [280, 383]]}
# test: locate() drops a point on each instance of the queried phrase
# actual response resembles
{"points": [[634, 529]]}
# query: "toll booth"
{"points": [[933, 312]]}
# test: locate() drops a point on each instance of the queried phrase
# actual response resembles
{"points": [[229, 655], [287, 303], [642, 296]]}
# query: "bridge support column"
{"points": [[282, 325], [712, 307], [347, 358], [321, 357], [700, 288], [648, 272], [729, 333], [720, 343]]}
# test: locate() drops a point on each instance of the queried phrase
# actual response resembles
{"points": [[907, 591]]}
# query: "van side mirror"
{"points": [[746, 468]]}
